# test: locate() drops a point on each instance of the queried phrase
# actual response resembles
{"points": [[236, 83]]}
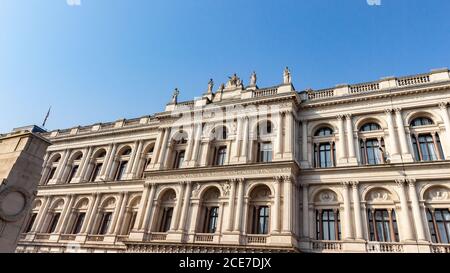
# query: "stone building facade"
{"points": [[353, 168], [21, 157]]}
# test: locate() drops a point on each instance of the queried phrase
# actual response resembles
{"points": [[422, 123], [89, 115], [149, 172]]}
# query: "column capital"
{"points": [[348, 116], [443, 105], [340, 117], [400, 181], [288, 179], [278, 178], [411, 182], [388, 111], [346, 183], [237, 180], [354, 184], [398, 110], [304, 184]]}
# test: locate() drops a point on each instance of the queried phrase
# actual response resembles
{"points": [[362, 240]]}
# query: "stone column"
{"points": [[148, 208], [135, 159], [177, 210], [119, 204], [65, 214], [401, 133], [289, 135], [63, 166], [42, 215], [190, 145], [157, 148], [446, 118], [198, 136], [142, 207], [231, 206], [405, 227], [162, 154], [92, 211], [277, 205], [347, 212], [122, 211], [305, 211], [287, 204], [194, 220], [240, 207], [357, 211], [392, 137], [237, 147], [342, 156], [110, 163], [106, 160], [305, 141], [350, 139], [420, 229], [85, 164], [186, 205], [245, 129], [279, 139]]}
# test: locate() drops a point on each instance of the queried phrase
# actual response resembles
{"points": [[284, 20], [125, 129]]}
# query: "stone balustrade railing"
{"points": [[327, 246], [158, 236], [257, 239], [95, 238], [383, 247], [436, 248], [67, 237], [204, 237], [264, 92], [386, 83]]}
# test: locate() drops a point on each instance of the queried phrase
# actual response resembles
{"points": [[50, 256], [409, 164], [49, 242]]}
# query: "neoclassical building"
{"points": [[353, 168]]}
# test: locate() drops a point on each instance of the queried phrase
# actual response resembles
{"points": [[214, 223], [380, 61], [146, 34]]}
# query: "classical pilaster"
{"points": [[111, 161], [41, 215], [135, 159], [350, 140], [115, 217], [63, 167], [276, 211], [162, 155], [347, 211], [178, 208], [357, 211], [231, 204], [190, 146], [288, 136], [288, 216], [405, 227], [240, 207], [305, 159], [196, 148], [418, 223], [279, 136], [305, 212], [88, 225], [245, 129], [186, 205], [65, 214], [149, 207], [393, 148], [445, 116], [120, 219], [84, 164], [341, 151], [406, 154]]}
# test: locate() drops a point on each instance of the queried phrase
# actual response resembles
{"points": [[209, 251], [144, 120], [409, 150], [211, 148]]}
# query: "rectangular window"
{"points": [[104, 223], [262, 220], [53, 222], [72, 174], [78, 224], [120, 175], [328, 225], [179, 159], [166, 219], [30, 222], [382, 225], [265, 152], [220, 156], [323, 156], [439, 224], [96, 172], [212, 215]]}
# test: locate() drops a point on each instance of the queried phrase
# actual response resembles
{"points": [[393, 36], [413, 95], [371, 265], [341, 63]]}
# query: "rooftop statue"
{"points": [[253, 79], [287, 76]]}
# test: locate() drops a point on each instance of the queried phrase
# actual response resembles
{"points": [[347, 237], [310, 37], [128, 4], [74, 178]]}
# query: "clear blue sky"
{"points": [[109, 59]]}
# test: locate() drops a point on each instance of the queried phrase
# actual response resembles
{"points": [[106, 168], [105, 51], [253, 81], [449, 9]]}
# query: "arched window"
{"points": [[370, 127], [96, 165], [210, 211], [130, 216], [54, 216], [148, 157], [325, 131], [421, 121], [324, 148], [178, 148], [259, 211], [328, 222], [74, 167], [52, 166], [78, 217], [264, 142], [105, 216], [381, 216], [122, 164], [425, 140], [166, 207], [219, 145]]}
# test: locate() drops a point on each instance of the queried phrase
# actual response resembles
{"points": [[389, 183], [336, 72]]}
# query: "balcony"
{"points": [[158, 236], [204, 238], [326, 246], [440, 248], [257, 239], [382, 247]]}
